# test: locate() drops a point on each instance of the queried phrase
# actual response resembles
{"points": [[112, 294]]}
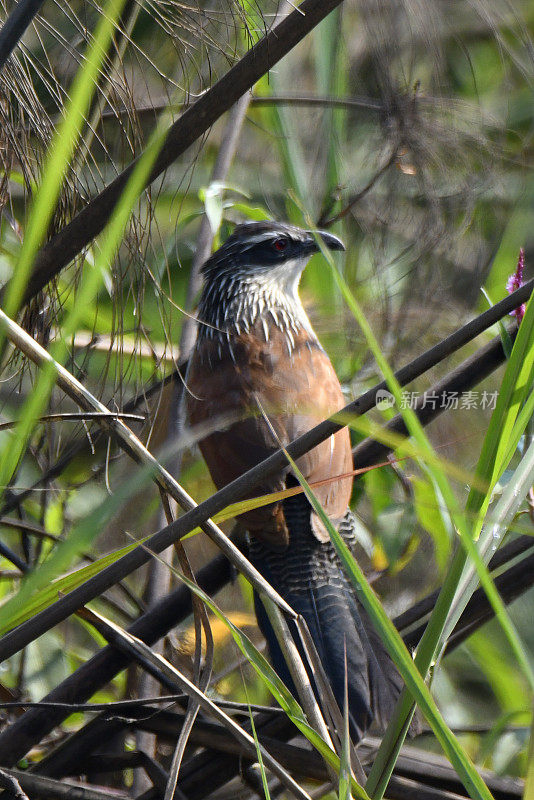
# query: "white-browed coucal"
{"points": [[257, 356]]}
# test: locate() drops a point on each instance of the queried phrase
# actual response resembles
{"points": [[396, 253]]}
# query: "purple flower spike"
{"points": [[515, 281]]}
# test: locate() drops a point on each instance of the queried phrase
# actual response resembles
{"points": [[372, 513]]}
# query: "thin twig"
{"points": [[298, 672], [39, 786], [225, 156], [297, 100], [352, 201], [202, 673], [466, 375], [76, 416]]}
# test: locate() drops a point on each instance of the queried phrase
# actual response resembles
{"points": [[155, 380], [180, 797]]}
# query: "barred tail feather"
{"points": [[309, 575]]}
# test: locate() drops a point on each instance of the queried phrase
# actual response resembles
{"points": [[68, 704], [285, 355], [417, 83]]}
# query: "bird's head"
{"points": [[267, 250]]}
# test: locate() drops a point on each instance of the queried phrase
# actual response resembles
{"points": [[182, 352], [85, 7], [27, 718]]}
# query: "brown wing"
{"points": [[296, 392]]}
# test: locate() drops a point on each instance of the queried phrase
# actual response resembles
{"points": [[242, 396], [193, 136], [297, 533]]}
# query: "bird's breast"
{"points": [[251, 394]]}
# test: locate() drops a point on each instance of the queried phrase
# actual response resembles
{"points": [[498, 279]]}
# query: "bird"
{"points": [[258, 378]]}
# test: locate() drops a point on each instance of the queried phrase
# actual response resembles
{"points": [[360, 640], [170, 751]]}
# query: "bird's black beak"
{"points": [[331, 241]]}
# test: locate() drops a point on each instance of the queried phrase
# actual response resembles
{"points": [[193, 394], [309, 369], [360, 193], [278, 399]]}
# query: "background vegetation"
{"points": [[406, 128]]}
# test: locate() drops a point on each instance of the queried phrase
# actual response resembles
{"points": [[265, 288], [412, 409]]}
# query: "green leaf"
{"points": [[255, 213], [430, 519], [264, 781], [516, 386], [38, 591]]}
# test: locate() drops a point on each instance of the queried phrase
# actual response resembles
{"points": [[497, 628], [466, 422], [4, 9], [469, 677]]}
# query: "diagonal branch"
{"points": [[15, 25], [466, 375], [414, 369], [41, 787], [15, 640]]}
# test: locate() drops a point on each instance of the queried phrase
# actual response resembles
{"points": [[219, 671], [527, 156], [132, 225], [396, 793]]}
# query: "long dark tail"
{"points": [[309, 575]]}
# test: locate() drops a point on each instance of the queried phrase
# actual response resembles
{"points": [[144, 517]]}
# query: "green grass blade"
{"points": [[47, 595], [264, 781], [478, 500], [517, 374], [331, 64], [493, 531], [520, 364], [515, 388]]}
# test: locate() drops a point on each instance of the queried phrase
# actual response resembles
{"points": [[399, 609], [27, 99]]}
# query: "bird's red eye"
{"points": [[280, 244]]}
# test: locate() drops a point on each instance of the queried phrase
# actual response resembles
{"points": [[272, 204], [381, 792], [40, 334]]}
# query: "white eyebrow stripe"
{"points": [[259, 238], [268, 236]]}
